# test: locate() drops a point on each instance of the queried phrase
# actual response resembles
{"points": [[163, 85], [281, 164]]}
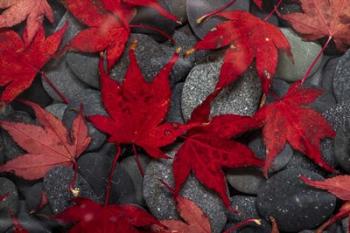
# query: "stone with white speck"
{"points": [[338, 115], [10, 202], [303, 54], [57, 109], [161, 203], [341, 84], [241, 97], [295, 205]]}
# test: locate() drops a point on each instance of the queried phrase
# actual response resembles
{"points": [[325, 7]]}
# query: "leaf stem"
{"points": [[314, 62], [243, 223], [155, 29], [54, 88], [73, 183], [204, 17], [275, 9], [137, 160], [110, 177]]}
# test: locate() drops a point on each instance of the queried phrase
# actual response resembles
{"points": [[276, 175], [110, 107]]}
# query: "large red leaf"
{"points": [[108, 22], [19, 64], [33, 11], [247, 38], [90, 217], [137, 109], [208, 149], [194, 219], [47, 145], [288, 120], [323, 18]]}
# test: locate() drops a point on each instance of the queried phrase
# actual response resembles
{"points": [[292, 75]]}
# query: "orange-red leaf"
{"points": [[19, 64], [47, 145], [323, 18], [34, 11], [289, 120]]}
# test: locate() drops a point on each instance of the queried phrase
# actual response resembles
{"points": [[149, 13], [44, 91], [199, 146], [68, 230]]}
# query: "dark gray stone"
{"points": [[328, 73], [95, 168], [245, 205], [198, 8], [338, 115], [177, 8], [85, 67], [58, 12], [299, 160], [262, 14], [161, 202], [9, 203], [92, 105], [151, 58], [342, 147], [57, 110], [56, 186], [129, 164], [282, 159], [242, 97], [295, 205], [341, 84], [175, 112], [33, 196], [324, 102], [245, 180]]}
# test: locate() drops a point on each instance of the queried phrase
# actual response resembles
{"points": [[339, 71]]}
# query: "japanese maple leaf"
{"points": [[19, 64], [108, 22], [47, 145], [208, 149], [323, 18], [194, 219], [90, 217], [340, 187], [246, 38], [33, 11], [289, 120], [137, 109]]}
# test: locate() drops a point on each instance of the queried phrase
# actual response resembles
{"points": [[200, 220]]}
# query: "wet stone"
{"points": [[303, 54], [92, 105], [177, 8], [175, 112], [57, 110], [56, 186], [198, 8], [10, 202], [245, 180], [295, 205], [241, 97], [341, 84], [95, 168], [161, 203]]}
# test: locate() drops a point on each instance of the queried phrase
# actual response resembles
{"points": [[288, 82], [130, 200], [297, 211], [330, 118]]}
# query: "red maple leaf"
{"points": [[323, 18], [288, 120], [340, 187], [208, 149], [19, 64], [47, 145], [33, 11], [246, 37], [194, 219], [137, 109], [108, 22], [90, 217]]}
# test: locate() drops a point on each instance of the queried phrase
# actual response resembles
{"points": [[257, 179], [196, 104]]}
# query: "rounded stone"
{"points": [[341, 84], [245, 180], [342, 148], [245, 206], [338, 115], [57, 110], [175, 112], [303, 54], [160, 200], [10, 202], [242, 97], [294, 205]]}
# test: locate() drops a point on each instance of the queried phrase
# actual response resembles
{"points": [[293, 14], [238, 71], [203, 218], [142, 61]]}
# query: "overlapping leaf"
{"points": [[289, 120], [246, 38], [323, 18], [47, 145], [108, 25], [90, 217], [137, 109], [19, 64], [33, 11]]}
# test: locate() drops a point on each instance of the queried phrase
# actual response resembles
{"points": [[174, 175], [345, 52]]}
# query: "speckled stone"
{"points": [[10, 202], [161, 203], [338, 115], [57, 110], [245, 180], [242, 97], [341, 83], [295, 205], [303, 53], [56, 185], [177, 8], [342, 147], [175, 112], [245, 205]]}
